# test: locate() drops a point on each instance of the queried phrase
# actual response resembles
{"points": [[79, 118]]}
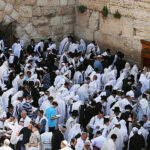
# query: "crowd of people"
{"points": [[75, 97]]}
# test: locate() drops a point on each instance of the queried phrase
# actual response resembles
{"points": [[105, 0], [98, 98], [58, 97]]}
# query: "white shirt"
{"points": [[94, 122], [5, 148], [80, 144], [2, 115], [46, 140], [11, 58], [46, 104], [109, 145], [26, 121], [98, 141]]}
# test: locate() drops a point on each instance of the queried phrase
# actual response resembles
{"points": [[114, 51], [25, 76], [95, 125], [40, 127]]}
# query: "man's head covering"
{"points": [[134, 129], [6, 142], [60, 126], [116, 109], [65, 142]]}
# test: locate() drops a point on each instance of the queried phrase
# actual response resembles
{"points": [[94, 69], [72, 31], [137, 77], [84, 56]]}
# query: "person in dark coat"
{"points": [[57, 137], [137, 141], [30, 48], [35, 94]]}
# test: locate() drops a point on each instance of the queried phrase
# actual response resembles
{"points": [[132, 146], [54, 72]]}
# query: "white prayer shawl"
{"points": [[120, 139], [14, 99], [14, 136], [88, 71], [93, 87], [109, 145], [13, 46], [2, 116], [75, 65], [80, 144], [69, 124], [134, 71], [76, 105], [83, 92], [74, 88], [92, 75], [110, 100], [46, 139], [3, 68], [73, 47], [105, 78], [36, 49], [78, 77], [63, 45], [5, 98], [74, 131], [90, 47], [124, 130], [46, 104], [57, 79], [61, 110], [2, 45], [82, 46], [119, 83], [62, 59], [17, 50], [15, 83], [145, 83], [46, 126], [52, 46]]}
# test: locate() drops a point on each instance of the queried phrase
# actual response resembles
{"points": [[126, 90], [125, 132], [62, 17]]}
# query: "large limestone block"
{"points": [[68, 28], [10, 1], [25, 11], [25, 38], [54, 3], [29, 28], [49, 11], [56, 20], [71, 2], [68, 19], [7, 20], [66, 10], [63, 2], [82, 19], [84, 33], [44, 31], [94, 20], [2, 5], [111, 25], [25, 21], [20, 31], [37, 12], [29, 2], [56, 30], [42, 2], [37, 21], [15, 15], [8, 9]]}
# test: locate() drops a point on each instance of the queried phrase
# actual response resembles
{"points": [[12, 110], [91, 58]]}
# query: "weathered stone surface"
{"points": [[84, 33], [42, 2], [7, 20], [94, 20], [56, 20], [15, 15], [29, 2], [82, 19], [37, 12], [8, 9], [68, 28], [2, 5], [66, 10], [56, 30], [25, 21], [25, 11], [44, 30], [63, 2], [68, 19], [71, 2], [48, 11], [54, 3], [20, 31], [38, 21], [1, 15]]}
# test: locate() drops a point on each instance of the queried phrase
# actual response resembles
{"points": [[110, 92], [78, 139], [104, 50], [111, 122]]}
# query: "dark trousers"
{"points": [[51, 129]]}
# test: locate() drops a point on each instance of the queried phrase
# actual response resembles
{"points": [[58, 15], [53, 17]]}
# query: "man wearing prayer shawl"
{"points": [[71, 122], [17, 49], [120, 139], [109, 144]]}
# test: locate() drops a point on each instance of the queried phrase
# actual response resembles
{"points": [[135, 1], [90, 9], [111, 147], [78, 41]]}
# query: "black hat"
{"points": [[128, 107], [116, 109], [10, 106]]}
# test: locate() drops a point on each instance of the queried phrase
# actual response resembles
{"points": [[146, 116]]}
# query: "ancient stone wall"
{"points": [[39, 19], [118, 34]]}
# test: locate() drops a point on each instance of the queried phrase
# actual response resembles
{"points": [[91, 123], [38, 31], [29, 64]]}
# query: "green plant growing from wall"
{"points": [[104, 11], [82, 8], [117, 14]]}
